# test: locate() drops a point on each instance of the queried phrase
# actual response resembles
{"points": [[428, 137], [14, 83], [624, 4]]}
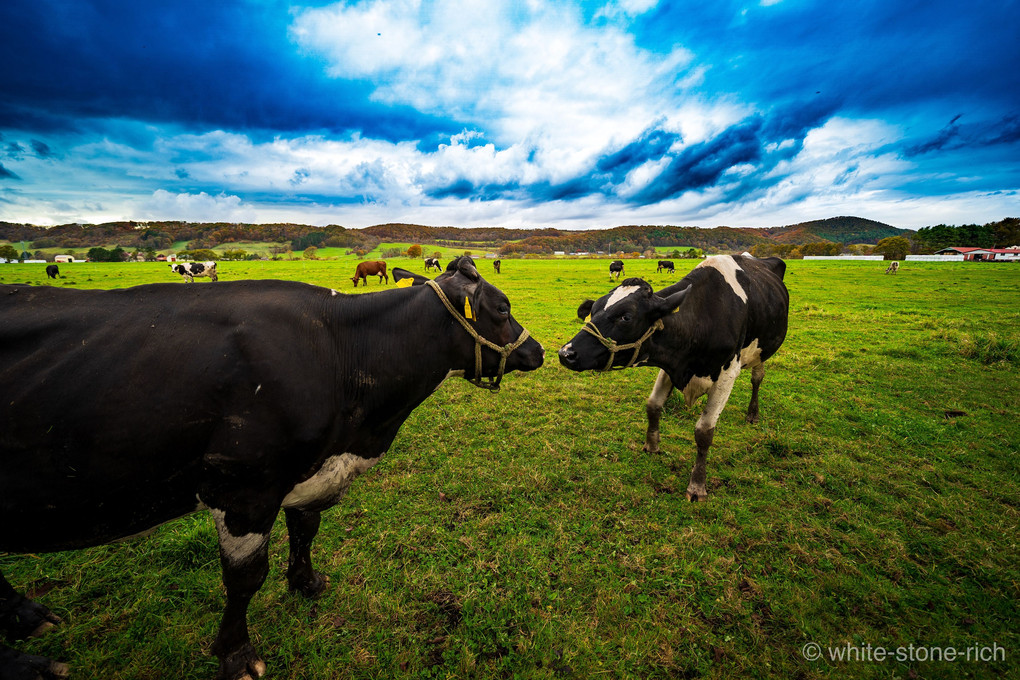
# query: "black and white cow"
{"points": [[893, 267], [667, 265], [271, 394], [727, 314], [52, 271], [615, 267], [191, 270], [431, 262]]}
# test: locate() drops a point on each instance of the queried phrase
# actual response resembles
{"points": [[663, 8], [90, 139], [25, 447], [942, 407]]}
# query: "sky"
{"points": [[526, 113]]}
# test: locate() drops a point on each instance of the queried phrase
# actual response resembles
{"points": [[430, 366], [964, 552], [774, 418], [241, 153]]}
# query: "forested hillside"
{"points": [[828, 234]]}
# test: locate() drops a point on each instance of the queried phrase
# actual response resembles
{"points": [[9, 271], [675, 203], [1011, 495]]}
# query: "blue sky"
{"points": [[493, 113]]}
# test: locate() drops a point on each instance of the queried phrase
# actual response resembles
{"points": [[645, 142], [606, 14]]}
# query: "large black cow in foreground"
{"points": [[242, 399], [727, 314]]}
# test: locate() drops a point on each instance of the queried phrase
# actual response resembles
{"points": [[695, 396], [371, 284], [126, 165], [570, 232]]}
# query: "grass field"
{"points": [[526, 535]]}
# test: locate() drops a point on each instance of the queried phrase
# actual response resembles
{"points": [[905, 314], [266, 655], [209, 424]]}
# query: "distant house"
{"points": [[63, 258], [1011, 254]]}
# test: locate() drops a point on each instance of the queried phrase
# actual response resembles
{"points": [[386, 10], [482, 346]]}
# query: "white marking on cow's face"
{"points": [[619, 294], [333, 293], [330, 482], [750, 356], [237, 549], [728, 267]]}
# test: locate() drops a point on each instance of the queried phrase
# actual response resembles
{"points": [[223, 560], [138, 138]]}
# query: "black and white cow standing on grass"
{"points": [[271, 394], [190, 270], [727, 314], [616, 268]]}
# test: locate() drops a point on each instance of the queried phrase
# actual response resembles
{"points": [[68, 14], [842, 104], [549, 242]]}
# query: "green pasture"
{"points": [[525, 534]]}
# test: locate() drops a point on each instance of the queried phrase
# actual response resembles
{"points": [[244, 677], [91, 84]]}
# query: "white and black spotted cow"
{"points": [[727, 314], [190, 270], [893, 267], [271, 394], [615, 268]]}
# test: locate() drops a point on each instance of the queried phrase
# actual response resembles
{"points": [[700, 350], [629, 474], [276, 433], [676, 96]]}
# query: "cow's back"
{"points": [[86, 371]]}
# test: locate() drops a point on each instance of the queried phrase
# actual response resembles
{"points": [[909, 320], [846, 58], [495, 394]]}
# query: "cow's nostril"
{"points": [[567, 355]]}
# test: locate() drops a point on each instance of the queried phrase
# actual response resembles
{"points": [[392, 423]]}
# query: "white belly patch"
{"points": [[695, 388], [330, 482]]}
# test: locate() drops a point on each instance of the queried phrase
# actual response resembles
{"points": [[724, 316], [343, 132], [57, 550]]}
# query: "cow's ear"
{"points": [[467, 267], [670, 303], [585, 309]]}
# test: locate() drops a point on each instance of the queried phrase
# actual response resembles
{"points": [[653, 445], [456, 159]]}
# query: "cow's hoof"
{"points": [[313, 587], [17, 666], [244, 664], [752, 419], [697, 494], [22, 618]]}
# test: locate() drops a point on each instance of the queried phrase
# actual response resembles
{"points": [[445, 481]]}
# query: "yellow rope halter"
{"points": [[613, 348], [504, 351]]}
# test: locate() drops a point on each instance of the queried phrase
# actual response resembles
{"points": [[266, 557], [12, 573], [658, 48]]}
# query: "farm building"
{"points": [[1011, 254], [63, 258]]}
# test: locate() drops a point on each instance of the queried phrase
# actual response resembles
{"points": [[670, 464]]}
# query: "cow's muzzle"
{"points": [[492, 383]]}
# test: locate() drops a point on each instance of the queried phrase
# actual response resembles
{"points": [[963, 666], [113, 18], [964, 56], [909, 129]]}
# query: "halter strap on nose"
{"points": [[613, 348], [505, 351]]}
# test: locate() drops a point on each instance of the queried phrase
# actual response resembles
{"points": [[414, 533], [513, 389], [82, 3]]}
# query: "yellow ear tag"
{"points": [[587, 318], [468, 314], [405, 283]]}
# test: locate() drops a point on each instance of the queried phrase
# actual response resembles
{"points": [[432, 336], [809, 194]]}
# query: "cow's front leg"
{"points": [[244, 556], [653, 407], [20, 617], [303, 525], [757, 375], [704, 431]]}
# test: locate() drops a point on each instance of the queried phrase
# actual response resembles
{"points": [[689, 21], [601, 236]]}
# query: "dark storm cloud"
{"points": [[192, 62], [7, 174]]}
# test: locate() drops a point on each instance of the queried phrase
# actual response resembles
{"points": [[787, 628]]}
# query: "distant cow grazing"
{"points": [[893, 267], [667, 265], [496, 265], [431, 262], [616, 267], [366, 269], [52, 271], [730, 313], [241, 399], [191, 270]]}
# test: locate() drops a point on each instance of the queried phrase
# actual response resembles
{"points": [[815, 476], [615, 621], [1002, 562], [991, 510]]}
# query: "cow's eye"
{"points": [[503, 309], [625, 318]]}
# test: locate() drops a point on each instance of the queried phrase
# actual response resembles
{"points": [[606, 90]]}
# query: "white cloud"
{"points": [[536, 76]]}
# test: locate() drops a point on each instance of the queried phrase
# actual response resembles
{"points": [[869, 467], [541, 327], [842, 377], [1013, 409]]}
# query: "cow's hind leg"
{"points": [[20, 617], [653, 407], [704, 431], [757, 375], [303, 525], [244, 556], [17, 666]]}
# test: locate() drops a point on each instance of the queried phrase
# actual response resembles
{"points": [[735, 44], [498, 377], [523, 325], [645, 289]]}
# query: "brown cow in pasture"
{"points": [[496, 264], [893, 267], [366, 269]]}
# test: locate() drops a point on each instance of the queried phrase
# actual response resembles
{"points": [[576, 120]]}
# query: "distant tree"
{"points": [[311, 253], [414, 251], [675, 254], [8, 252], [392, 252], [893, 247]]}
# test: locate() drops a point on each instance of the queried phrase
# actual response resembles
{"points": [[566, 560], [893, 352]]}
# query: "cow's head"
{"points": [[616, 327], [480, 310]]}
